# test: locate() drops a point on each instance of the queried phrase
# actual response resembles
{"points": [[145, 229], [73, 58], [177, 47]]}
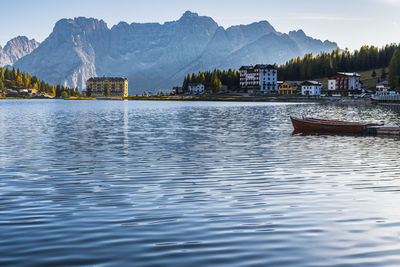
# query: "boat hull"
{"points": [[327, 126]]}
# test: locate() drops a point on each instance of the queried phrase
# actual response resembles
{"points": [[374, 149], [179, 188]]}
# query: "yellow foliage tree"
{"points": [[20, 82]]}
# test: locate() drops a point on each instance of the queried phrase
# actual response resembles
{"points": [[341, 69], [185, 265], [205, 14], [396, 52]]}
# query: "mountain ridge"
{"points": [[156, 56], [15, 49]]}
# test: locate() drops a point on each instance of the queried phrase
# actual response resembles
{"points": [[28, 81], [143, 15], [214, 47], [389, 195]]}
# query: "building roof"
{"points": [[311, 83], [349, 74], [345, 74], [258, 66], [246, 67], [263, 66], [195, 84], [108, 78], [383, 83], [294, 83]]}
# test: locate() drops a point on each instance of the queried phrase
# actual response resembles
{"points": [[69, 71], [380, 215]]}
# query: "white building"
{"points": [[383, 86], [311, 88], [344, 83], [259, 79], [196, 88]]}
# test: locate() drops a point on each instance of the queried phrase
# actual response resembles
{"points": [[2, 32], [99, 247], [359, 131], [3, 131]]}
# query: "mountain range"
{"points": [[15, 49], [155, 56]]}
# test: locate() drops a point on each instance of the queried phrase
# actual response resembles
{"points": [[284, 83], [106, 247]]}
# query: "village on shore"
{"points": [[256, 82]]}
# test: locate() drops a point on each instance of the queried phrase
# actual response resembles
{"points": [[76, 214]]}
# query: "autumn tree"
{"points": [[215, 83], [20, 82], [106, 90], [3, 90]]}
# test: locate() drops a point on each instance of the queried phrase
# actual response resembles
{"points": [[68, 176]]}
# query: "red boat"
{"points": [[312, 125]]}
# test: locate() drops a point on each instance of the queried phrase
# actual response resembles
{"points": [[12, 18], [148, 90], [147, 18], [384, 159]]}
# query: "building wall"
{"points": [[197, 89], [343, 82], [313, 90], [354, 83], [286, 89], [248, 78], [268, 81], [116, 87], [332, 84], [259, 79]]}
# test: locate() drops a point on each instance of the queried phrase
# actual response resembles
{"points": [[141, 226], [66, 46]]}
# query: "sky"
{"points": [[350, 23]]}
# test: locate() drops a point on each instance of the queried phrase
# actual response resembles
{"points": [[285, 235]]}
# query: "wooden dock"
{"points": [[382, 130]]}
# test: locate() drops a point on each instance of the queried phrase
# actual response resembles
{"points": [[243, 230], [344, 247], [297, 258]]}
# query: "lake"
{"points": [[194, 184]]}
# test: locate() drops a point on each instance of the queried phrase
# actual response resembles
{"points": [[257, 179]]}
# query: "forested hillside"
{"points": [[325, 64], [15, 79]]}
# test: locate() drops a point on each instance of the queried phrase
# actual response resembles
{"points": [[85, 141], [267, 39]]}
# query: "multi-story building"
{"points": [[196, 88], [107, 86], [177, 90], [311, 88], [344, 84], [259, 79]]}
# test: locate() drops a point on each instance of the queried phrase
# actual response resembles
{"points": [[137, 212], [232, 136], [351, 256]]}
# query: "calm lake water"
{"points": [[194, 184]]}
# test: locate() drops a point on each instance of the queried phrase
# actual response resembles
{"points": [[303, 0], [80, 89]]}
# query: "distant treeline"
{"points": [[15, 79], [326, 64], [213, 79], [394, 69], [310, 67]]}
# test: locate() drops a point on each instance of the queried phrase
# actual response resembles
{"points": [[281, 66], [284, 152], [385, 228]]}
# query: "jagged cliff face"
{"points": [[155, 56], [15, 49]]}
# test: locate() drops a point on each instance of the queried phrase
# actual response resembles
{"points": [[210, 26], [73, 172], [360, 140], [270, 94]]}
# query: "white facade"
{"points": [[332, 84], [263, 78], [344, 81], [383, 86], [196, 88], [311, 88]]}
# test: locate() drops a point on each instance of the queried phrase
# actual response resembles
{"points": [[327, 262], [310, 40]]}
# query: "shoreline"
{"points": [[220, 98]]}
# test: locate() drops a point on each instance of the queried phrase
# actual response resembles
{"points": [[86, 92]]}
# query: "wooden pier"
{"points": [[382, 130], [386, 98]]}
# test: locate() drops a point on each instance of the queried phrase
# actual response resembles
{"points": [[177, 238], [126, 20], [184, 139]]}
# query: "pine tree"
{"points": [[3, 90], [215, 83], [186, 82], [383, 74], [7, 75], [394, 69], [2, 74]]}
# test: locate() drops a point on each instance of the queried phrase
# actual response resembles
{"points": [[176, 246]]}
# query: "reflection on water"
{"points": [[194, 183]]}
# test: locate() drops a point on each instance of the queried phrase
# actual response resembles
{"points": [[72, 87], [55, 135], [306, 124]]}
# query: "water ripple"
{"points": [[194, 183]]}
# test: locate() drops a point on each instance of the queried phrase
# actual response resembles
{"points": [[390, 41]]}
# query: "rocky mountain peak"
{"points": [[15, 49], [79, 24], [189, 18], [297, 33], [189, 14]]}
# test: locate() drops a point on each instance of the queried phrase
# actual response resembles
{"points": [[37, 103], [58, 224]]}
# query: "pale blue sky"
{"points": [[350, 23]]}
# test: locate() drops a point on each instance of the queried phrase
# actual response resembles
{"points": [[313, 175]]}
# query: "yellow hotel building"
{"points": [[107, 86]]}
